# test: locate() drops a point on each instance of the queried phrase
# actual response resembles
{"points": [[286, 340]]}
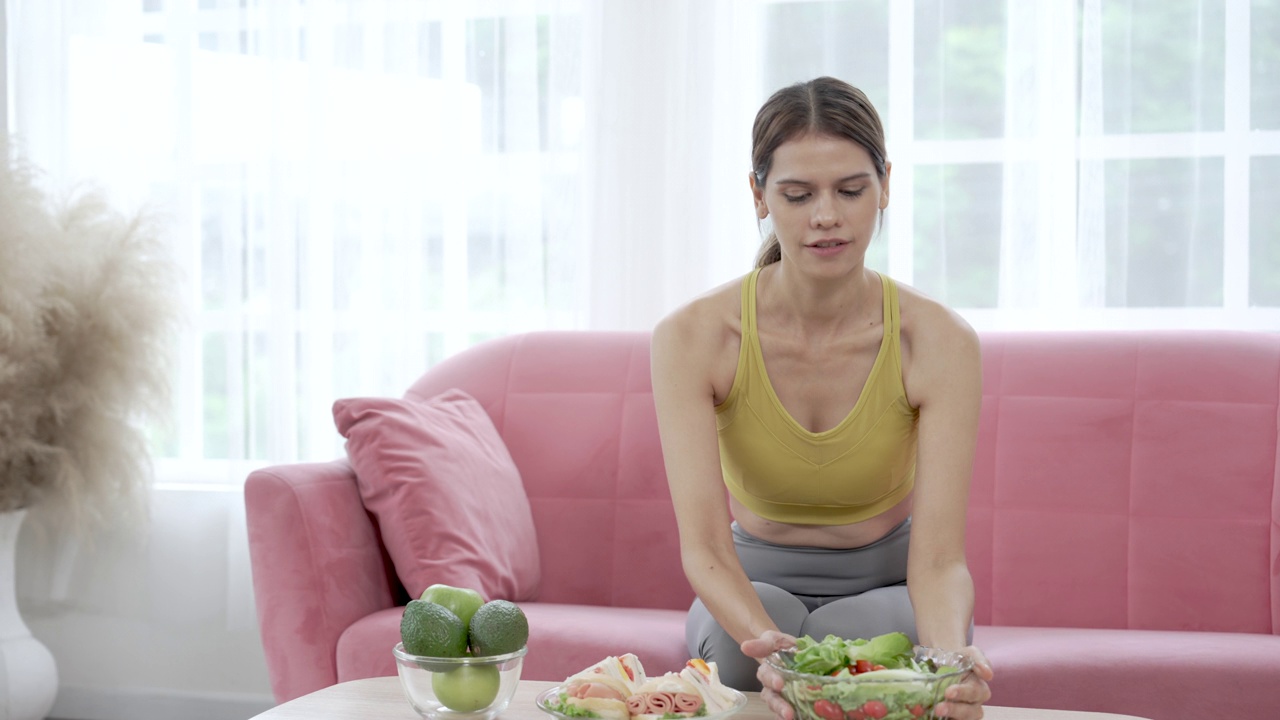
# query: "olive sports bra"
{"points": [[783, 472]]}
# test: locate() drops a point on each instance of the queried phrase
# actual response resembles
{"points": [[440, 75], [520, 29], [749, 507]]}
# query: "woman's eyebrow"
{"points": [[850, 178]]}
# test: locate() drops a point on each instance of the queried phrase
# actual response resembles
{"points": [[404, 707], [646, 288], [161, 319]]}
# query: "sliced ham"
{"points": [[637, 704], [658, 702], [687, 702]]}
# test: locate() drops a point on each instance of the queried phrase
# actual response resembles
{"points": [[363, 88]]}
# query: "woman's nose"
{"points": [[824, 214]]}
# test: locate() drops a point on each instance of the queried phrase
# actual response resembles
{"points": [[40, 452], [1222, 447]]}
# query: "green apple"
{"points": [[462, 601], [468, 688]]}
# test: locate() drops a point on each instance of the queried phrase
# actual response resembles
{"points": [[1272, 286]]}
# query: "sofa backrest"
{"points": [[1128, 480], [576, 412], [1122, 479]]}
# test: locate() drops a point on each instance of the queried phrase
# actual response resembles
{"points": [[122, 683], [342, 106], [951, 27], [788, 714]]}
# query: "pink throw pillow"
{"points": [[448, 498]]}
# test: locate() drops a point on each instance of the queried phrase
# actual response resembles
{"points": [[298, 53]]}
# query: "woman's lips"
{"points": [[827, 247]]}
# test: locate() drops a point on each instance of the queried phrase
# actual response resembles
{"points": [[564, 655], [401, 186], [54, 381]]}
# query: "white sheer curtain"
{"points": [[360, 188], [355, 189], [671, 87]]}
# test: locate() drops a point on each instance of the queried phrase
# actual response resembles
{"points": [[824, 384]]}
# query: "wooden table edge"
{"points": [[382, 698]]}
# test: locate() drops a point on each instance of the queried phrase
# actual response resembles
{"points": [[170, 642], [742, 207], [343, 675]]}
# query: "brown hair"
{"points": [[825, 106]]}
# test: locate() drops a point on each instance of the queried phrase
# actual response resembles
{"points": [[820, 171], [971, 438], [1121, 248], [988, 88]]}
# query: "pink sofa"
{"points": [[1124, 531]]}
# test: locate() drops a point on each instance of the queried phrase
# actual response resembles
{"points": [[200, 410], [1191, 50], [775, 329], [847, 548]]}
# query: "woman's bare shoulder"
{"points": [[939, 347], [705, 321], [941, 354], [926, 321]]}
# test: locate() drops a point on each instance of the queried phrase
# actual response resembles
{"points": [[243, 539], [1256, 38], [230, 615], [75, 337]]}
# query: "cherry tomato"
{"points": [[828, 710], [875, 709], [917, 710], [862, 666]]}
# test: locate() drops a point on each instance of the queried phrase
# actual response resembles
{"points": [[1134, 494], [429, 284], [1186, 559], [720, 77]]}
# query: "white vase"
{"points": [[28, 674]]}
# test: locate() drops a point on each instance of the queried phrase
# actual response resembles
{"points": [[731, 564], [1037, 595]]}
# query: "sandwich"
{"points": [[606, 709], [604, 687], [705, 679], [624, 671], [616, 688], [662, 696]]}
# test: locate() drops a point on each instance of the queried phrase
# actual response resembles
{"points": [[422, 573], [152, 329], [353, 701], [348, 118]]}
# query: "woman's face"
{"points": [[824, 198]]}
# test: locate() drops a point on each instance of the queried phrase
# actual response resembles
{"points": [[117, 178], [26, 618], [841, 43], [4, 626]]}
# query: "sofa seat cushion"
{"points": [[563, 639], [1147, 673]]}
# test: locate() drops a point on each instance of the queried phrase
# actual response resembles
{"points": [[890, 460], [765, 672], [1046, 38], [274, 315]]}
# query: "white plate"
{"points": [[547, 697]]}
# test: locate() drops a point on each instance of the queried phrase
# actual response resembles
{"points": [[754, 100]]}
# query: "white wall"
{"points": [[4, 74], [156, 622]]}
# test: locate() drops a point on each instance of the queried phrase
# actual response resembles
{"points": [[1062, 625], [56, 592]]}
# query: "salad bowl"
{"points": [[905, 687]]}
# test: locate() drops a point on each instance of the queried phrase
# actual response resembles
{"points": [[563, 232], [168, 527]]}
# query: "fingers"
{"points": [[768, 642], [769, 678], [963, 701], [981, 666], [777, 704], [973, 691]]}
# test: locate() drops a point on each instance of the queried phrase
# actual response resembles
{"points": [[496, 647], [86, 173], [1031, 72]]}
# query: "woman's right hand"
{"points": [[771, 682]]}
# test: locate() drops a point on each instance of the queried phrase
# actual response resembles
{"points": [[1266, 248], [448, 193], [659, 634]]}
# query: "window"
{"points": [[360, 188], [1114, 177]]}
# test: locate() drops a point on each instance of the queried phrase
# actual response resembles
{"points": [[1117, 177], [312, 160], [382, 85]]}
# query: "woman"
{"points": [[839, 409]]}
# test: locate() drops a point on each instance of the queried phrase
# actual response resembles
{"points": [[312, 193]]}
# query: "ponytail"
{"points": [[770, 251]]}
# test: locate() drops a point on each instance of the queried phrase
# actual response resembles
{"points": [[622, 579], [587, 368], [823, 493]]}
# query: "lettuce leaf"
{"points": [[564, 707], [892, 650], [819, 658]]}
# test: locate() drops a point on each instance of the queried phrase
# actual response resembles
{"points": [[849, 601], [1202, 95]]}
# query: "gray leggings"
{"points": [[811, 591]]}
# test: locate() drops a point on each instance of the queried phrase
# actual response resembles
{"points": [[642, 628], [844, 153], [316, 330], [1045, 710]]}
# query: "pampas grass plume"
{"points": [[88, 312]]}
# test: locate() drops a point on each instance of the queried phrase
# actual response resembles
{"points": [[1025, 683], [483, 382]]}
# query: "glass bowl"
{"points": [[464, 688], [902, 694]]}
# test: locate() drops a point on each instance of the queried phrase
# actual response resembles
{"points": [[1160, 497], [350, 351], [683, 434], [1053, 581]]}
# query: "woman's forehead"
{"points": [[814, 158]]}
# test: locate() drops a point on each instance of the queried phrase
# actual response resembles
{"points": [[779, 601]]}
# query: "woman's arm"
{"points": [[685, 350], [944, 380]]}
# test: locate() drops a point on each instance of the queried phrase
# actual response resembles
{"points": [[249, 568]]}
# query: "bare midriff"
{"points": [[842, 537]]}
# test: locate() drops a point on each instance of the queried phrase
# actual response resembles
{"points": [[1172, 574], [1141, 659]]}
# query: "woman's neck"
{"points": [[818, 308]]}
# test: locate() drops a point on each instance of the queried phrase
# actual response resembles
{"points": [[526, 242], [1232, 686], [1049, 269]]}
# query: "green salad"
{"points": [[889, 680]]}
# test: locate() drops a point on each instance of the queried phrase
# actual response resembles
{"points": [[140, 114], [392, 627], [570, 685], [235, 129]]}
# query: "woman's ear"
{"points": [[884, 185], [757, 195]]}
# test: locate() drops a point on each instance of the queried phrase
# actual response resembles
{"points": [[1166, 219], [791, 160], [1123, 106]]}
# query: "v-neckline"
{"points": [[862, 394]]}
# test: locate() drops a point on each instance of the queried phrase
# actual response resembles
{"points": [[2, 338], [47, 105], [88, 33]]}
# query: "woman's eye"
{"points": [[796, 198], [852, 193]]}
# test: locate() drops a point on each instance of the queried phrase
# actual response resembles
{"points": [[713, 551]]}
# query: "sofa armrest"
{"points": [[318, 566]]}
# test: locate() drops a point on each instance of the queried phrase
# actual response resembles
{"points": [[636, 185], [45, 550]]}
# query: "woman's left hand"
{"points": [[963, 701], [771, 682]]}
